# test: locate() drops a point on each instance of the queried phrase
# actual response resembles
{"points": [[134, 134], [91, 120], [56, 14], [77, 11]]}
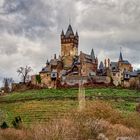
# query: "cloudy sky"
{"points": [[30, 30]]}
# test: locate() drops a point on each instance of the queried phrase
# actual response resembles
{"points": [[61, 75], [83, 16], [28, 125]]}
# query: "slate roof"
{"points": [[62, 33], [125, 62], [53, 62], [121, 57], [101, 66], [45, 69], [47, 62], [132, 74], [69, 32], [92, 54], [138, 71], [87, 58], [76, 34]]}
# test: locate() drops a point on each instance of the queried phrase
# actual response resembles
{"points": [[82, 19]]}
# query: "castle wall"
{"points": [[46, 80], [117, 78], [87, 66], [74, 80], [131, 83]]}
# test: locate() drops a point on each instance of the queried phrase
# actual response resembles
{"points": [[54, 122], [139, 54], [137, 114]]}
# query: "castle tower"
{"points": [[69, 46]]}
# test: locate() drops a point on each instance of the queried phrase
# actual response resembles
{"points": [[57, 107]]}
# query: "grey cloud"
{"points": [[30, 30]]}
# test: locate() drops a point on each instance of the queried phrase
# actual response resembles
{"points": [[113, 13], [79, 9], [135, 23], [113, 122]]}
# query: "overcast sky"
{"points": [[30, 30]]}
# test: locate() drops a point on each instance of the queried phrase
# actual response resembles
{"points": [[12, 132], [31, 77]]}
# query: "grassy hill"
{"points": [[42, 105], [69, 93], [62, 120], [54, 108]]}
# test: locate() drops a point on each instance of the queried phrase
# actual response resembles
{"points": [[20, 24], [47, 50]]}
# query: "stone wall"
{"points": [[133, 82], [117, 78], [74, 80]]}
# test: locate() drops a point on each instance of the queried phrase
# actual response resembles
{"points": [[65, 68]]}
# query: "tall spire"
{"points": [[92, 54], [121, 57]]}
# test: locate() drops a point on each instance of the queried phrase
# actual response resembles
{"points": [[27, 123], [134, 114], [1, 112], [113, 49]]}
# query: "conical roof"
{"points": [[101, 66], [92, 54], [69, 31], [62, 33], [76, 34], [121, 57], [47, 62]]}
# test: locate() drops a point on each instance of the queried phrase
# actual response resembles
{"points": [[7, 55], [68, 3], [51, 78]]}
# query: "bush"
{"points": [[4, 125], [17, 122], [38, 79]]}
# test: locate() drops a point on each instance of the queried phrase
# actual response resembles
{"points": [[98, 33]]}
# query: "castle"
{"points": [[70, 67]]}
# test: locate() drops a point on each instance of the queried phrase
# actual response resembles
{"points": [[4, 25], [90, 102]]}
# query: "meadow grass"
{"points": [[44, 110], [98, 119], [36, 111], [41, 110], [45, 93]]}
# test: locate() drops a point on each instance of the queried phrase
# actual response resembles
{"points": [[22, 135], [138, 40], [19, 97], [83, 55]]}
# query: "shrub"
{"points": [[38, 79], [4, 125], [17, 122]]}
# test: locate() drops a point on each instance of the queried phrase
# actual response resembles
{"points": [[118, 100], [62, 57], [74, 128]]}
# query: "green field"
{"points": [[36, 111], [41, 109], [46, 93]]}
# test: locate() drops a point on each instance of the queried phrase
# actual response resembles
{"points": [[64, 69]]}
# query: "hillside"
{"points": [[50, 105], [71, 93], [41, 105]]}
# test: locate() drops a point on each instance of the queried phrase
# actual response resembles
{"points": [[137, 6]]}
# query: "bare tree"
{"points": [[7, 84], [24, 73]]}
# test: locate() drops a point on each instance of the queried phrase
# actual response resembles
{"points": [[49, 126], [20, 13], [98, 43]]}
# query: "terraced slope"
{"points": [[36, 111], [43, 105]]}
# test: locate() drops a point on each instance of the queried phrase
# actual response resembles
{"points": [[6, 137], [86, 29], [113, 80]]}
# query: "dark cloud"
{"points": [[30, 30]]}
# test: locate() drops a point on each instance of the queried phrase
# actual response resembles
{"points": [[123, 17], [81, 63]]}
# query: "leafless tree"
{"points": [[24, 73], [7, 84]]}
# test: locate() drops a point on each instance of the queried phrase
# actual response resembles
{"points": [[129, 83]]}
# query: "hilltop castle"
{"points": [[70, 67]]}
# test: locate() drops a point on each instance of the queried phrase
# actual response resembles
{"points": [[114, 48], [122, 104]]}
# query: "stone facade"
{"points": [[89, 65], [69, 46]]}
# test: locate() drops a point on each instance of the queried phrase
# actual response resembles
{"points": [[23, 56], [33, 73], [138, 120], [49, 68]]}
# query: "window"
{"points": [[113, 68], [114, 74]]}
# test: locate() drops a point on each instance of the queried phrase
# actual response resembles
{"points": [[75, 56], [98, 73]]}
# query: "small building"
{"points": [[117, 70]]}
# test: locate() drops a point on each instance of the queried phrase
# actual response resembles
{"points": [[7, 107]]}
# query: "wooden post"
{"points": [[81, 94]]}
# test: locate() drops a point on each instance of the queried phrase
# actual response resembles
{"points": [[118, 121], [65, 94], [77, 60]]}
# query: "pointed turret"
{"points": [[69, 31], [54, 56], [76, 34], [101, 66], [47, 63], [121, 57], [92, 54], [62, 33]]}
